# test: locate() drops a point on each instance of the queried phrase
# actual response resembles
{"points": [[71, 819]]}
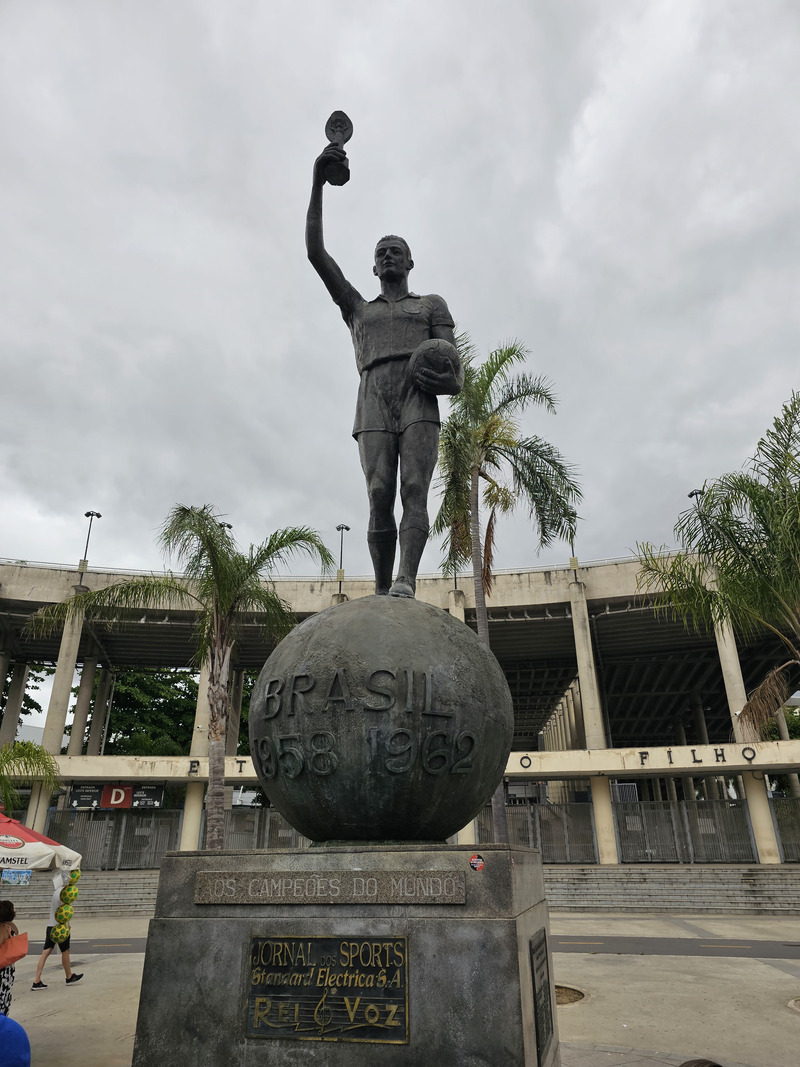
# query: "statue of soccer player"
{"points": [[397, 416]]}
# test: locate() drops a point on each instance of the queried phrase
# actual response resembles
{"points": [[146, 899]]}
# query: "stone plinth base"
{"points": [[348, 956]]}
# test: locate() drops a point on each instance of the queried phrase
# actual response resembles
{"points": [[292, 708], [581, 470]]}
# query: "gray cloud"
{"points": [[614, 184]]}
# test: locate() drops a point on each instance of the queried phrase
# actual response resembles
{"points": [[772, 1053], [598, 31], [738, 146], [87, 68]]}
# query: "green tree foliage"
{"points": [[249, 681], [154, 709], [153, 712], [486, 461], [739, 559], [23, 761], [225, 588], [37, 673], [792, 715]]}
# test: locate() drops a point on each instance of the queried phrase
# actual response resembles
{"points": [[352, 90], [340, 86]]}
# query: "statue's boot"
{"points": [[382, 546], [412, 544]]}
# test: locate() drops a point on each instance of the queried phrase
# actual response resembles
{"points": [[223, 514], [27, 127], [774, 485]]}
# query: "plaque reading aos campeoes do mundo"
{"points": [[328, 989]]}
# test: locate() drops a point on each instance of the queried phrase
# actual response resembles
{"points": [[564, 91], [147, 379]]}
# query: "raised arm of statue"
{"points": [[323, 263]]}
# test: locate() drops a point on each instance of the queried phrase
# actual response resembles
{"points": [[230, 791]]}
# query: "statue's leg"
{"points": [[378, 453], [419, 448]]}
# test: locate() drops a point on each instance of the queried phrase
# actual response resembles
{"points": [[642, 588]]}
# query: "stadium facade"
{"points": [[627, 746]]}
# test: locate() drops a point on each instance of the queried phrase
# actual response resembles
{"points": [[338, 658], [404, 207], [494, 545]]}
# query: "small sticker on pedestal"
{"points": [[477, 862]]}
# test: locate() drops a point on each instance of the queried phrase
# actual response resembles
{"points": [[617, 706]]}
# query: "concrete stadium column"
{"points": [[604, 821], [232, 733], [672, 792], [587, 673], [568, 742], [82, 706], [593, 727], [701, 730], [687, 780], [5, 663], [783, 734], [195, 791], [563, 733], [235, 715], [62, 686], [575, 739], [468, 835], [561, 739], [56, 715], [99, 712], [755, 788], [456, 604], [16, 693], [574, 695], [699, 718]]}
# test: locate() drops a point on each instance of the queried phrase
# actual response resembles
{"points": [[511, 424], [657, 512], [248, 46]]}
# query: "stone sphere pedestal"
{"points": [[378, 728], [380, 719]]}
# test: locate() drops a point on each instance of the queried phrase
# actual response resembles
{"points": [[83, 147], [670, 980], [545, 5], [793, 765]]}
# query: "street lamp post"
{"points": [[340, 573], [84, 563]]}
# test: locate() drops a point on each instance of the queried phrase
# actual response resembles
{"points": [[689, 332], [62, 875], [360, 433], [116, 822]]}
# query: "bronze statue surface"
{"points": [[397, 414]]}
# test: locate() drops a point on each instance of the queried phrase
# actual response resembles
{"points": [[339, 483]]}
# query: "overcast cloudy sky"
{"points": [[616, 184]]}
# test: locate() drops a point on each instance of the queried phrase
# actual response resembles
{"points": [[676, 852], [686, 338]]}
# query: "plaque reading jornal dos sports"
{"points": [[328, 989]]}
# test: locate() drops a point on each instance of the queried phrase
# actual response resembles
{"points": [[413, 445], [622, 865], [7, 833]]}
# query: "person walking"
{"points": [[50, 944], [8, 928]]}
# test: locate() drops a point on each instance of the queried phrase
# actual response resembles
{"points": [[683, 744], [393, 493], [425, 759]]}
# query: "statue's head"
{"points": [[392, 257]]}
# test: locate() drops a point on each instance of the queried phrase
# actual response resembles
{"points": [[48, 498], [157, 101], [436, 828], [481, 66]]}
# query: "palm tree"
{"points": [[24, 761], [484, 458], [226, 588], [739, 560]]}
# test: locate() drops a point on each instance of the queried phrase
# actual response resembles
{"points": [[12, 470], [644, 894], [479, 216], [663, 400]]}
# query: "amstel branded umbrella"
{"points": [[24, 849]]}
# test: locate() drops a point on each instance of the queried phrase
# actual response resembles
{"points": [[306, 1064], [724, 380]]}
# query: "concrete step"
{"points": [[652, 888], [99, 892], [686, 888]]}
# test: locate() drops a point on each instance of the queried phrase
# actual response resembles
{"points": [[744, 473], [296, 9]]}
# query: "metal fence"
{"points": [[701, 831], [128, 840], [117, 840], [786, 812], [247, 828], [564, 833]]}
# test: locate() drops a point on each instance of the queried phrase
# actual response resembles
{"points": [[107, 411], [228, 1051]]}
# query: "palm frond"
{"points": [[197, 538], [481, 435], [487, 574], [739, 557], [765, 700], [284, 544], [777, 457], [546, 483], [24, 761], [522, 391], [153, 591]]}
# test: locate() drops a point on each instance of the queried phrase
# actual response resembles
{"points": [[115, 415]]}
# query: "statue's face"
{"points": [[391, 260]]}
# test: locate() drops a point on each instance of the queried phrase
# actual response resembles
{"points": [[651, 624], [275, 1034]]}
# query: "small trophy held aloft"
{"points": [[338, 130]]}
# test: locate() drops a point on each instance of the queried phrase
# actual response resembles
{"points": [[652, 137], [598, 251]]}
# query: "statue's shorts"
{"points": [[389, 401]]}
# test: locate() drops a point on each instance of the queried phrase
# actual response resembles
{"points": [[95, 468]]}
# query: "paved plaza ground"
{"points": [[639, 1011]]}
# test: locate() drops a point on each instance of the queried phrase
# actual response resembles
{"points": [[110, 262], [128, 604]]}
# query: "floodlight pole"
{"points": [[340, 574], [84, 563]]}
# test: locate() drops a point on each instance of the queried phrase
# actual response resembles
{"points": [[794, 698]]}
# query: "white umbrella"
{"points": [[23, 849]]}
